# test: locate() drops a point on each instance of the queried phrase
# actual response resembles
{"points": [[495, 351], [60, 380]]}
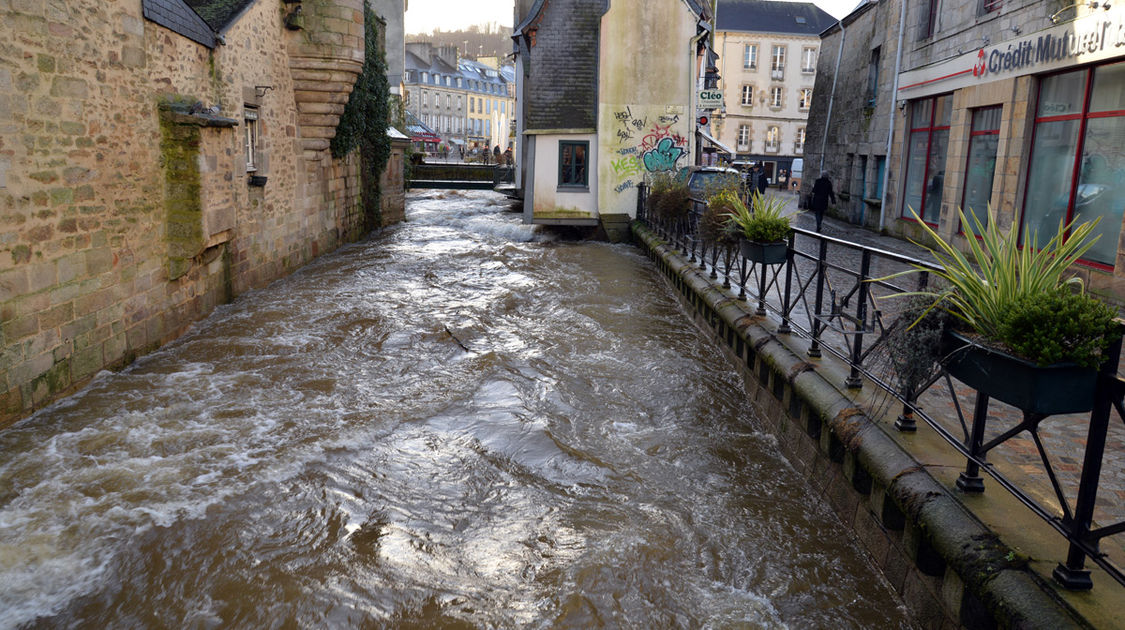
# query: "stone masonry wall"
{"points": [[92, 270]]}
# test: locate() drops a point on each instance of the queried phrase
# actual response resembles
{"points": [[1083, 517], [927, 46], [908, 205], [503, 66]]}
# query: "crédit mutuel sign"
{"points": [[1095, 37]]}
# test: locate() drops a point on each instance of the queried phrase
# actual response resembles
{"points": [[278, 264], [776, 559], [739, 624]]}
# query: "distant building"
{"points": [[467, 103], [767, 66], [1010, 105], [607, 95]]}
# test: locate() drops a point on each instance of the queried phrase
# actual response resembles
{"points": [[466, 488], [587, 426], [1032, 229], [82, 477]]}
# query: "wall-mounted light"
{"points": [[1016, 30], [295, 21], [1093, 4], [902, 107], [260, 90]]}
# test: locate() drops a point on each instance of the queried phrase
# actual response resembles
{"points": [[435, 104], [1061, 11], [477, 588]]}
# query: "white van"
{"points": [[795, 172]]}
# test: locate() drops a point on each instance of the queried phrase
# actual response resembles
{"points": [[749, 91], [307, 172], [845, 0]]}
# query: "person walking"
{"points": [[758, 180], [821, 193]]}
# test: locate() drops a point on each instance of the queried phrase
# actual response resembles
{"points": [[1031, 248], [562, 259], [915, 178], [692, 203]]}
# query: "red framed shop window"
{"points": [[925, 165], [1077, 166], [980, 165]]}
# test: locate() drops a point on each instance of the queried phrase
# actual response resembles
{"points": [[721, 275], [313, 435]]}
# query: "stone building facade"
{"points": [[1013, 106], [151, 168], [768, 52], [606, 96]]}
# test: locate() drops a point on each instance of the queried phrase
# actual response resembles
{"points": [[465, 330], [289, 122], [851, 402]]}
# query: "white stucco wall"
{"points": [[555, 205]]}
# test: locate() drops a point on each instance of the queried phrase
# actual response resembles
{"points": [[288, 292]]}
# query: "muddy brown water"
{"points": [[461, 422]]}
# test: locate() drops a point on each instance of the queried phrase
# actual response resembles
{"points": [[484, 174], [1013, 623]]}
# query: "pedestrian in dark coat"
{"points": [[762, 181], [821, 193]]}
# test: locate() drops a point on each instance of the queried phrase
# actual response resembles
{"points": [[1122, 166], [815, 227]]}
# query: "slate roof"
{"points": [[219, 13], [771, 16], [179, 17]]}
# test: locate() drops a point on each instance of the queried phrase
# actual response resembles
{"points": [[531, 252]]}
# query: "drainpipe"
{"points": [[696, 84], [891, 115], [832, 96]]}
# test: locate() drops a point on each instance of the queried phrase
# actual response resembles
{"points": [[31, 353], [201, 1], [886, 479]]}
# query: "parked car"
{"points": [[702, 178]]}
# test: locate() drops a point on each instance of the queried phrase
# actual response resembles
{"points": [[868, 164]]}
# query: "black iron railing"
{"points": [[828, 291]]}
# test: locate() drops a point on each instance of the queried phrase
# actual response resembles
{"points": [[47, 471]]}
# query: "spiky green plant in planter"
{"points": [[763, 221], [1022, 301]]}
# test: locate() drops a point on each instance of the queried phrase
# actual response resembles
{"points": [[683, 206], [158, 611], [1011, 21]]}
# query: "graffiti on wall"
{"points": [[644, 142]]}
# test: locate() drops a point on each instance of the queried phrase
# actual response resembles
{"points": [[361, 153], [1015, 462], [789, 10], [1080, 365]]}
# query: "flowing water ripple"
{"points": [[460, 422]]}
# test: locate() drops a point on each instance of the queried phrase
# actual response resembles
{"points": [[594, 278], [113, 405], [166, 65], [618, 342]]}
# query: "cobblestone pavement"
{"points": [[1064, 436]]}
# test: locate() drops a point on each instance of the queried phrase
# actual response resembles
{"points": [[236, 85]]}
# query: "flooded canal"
{"points": [[458, 423]]}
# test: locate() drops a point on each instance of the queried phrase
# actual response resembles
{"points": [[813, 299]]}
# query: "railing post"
{"points": [[970, 480], [821, 267], [1073, 574], [785, 303], [642, 196], [854, 380]]}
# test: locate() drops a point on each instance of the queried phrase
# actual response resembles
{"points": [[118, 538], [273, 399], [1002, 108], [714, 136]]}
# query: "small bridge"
{"points": [[461, 176]]}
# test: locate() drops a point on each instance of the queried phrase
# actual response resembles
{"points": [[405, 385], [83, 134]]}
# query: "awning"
{"points": [[456, 141], [424, 137], [722, 147]]}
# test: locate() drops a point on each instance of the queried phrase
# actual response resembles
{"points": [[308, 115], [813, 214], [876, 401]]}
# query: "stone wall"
{"points": [[126, 209]]}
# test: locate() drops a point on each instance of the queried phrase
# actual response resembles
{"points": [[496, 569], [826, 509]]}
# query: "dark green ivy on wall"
{"points": [[364, 122]]}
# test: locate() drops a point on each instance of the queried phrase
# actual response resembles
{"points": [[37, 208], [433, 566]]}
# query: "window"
{"points": [[750, 56], [748, 95], [776, 93], [808, 60], [773, 138], [805, 100], [488, 127], [459, 82], [250, 121], [488, 107], [1076, 166], [572, 163], [929, 19], [777, 62], [472, 106], [448, 81], [984, 137], [460, 102], [990, 6], [799, 143], [425, 77], [743, 136], [873, 76], [480, 104], [925, 162], [448, 101], [503, 107]]}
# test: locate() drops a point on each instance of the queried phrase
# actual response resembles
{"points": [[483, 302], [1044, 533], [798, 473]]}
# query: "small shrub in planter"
{"points": [[1059, 326], [669, 198]]}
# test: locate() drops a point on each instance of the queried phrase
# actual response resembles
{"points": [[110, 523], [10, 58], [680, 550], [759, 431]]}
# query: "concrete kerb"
{"points": [[939, 534]]}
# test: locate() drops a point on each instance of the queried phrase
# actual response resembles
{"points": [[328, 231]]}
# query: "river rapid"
{"points": [[460, 422]]}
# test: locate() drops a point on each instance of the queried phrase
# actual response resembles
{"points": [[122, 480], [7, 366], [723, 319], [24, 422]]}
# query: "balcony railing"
{"points": [[777, 75], [827, 292]]}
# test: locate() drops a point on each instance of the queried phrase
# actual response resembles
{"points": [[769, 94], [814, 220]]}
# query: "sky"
{"points": [[423, 16]]}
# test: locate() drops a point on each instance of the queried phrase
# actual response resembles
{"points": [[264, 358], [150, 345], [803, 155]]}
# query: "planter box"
{"points": [[765, 253], [1056, 388]]}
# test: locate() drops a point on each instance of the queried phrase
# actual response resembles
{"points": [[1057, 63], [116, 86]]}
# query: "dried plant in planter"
{"points": [[715, 224]]}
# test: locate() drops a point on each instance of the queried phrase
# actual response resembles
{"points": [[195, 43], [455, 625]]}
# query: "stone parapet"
{"points": [[949, 568]]}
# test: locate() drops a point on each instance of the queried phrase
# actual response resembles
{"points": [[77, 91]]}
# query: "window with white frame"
{"points": [[250, 120], [799, 143], [748, 95], [776, 94], [777, 60], [773, 138], [743, 137], [750, 56], [425, 99], [425, 77], [808, 60], [805, 100]]}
